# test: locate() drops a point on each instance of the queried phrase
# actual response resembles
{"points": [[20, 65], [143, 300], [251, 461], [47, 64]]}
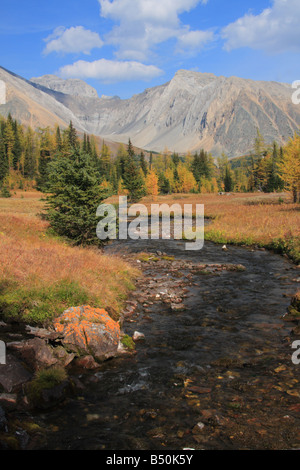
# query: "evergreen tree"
{"points": [[105, 161], [9, 139], [164, 184], [17, 147], [151, 160], [143, 164], [30, 157], [58, 140], [202, 166], [121, 160], [72, 139], [176, 179], [114, 179], [42, 178], [91, 149], [4, 168], [84, 144], [130, 150], [132, 178], [5, 192], [274, 183], [228, 181], [175, 159], [74, 197]]}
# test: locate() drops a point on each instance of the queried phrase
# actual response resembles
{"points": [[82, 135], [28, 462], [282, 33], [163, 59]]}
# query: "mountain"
{"points": [[192, 111], [33, 106], [72, 86]]}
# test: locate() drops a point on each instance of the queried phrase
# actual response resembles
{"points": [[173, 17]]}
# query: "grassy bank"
{"points": [[265, 220], [41, 275]]}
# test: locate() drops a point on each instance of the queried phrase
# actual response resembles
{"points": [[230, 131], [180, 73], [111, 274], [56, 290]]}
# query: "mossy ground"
{"points": [[44, 379]]}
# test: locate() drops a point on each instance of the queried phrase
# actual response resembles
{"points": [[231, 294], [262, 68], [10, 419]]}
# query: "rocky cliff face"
{"points": [[72, 86], [33, 106], [192, 111]]}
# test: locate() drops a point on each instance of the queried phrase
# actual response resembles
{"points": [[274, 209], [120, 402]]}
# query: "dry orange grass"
{"points": [[262, 219], [32, 258], [269, 220]]}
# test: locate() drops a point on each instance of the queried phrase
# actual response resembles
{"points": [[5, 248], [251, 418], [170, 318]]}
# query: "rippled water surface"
{"points": [[216, 375]]}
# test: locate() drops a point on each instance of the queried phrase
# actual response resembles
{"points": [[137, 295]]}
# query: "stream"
{"points": [[214, 370]]}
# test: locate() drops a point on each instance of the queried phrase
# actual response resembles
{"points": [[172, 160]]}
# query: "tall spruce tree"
{"points": [[105, 161], [228, 181], [42, 178], [72, 139], [4, 168], [17, 147], [30, 157], [9, 139], [58, 140], [151, 160], [202, 166], [130, 150], [132, 177], [143, 164], [74, 196]]}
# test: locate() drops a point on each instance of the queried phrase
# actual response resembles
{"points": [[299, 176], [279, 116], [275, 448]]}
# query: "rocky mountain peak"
{"points": [[192, 111], [72, 86]]}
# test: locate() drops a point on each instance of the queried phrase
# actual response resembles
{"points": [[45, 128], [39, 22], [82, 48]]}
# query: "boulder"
{"points": [[86, 362], [137, 336], [8, 399], [38, 354], [42, 333], [51, 397], [13, 374], [89, 331]]}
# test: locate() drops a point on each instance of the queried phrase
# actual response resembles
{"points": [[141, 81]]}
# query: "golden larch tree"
{"points": [[290, 166], [152, 184]]}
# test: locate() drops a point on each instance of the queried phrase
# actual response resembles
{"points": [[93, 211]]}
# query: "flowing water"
{"points": [[216, 374]]}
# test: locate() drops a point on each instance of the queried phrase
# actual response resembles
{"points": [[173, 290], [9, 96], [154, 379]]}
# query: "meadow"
{"points": [[41, 275], [265, 220]]}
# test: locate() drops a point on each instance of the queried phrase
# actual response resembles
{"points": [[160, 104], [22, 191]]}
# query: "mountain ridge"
{"points": [[193, 110]]}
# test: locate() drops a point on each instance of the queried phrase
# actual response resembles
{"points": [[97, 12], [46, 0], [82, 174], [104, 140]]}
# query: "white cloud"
{"points": [[143, 24], [156, 11], [109, 71], [195, 39], [73, 40], [274, 30]]}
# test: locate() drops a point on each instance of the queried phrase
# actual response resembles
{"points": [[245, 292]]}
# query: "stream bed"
{"points": [[214, 370]]}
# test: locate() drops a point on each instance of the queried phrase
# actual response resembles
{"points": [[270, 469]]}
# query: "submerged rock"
{"points": [[137, 336]]}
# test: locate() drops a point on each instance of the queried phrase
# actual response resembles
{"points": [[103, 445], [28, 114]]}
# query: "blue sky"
{"points": [[122, 47]]}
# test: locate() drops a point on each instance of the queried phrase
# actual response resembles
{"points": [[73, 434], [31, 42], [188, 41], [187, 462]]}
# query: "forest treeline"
{"points": [[28, 157]]}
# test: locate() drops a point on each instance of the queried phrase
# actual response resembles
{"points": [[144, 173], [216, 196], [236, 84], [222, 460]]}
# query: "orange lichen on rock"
{"points": [[89, 330]]}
